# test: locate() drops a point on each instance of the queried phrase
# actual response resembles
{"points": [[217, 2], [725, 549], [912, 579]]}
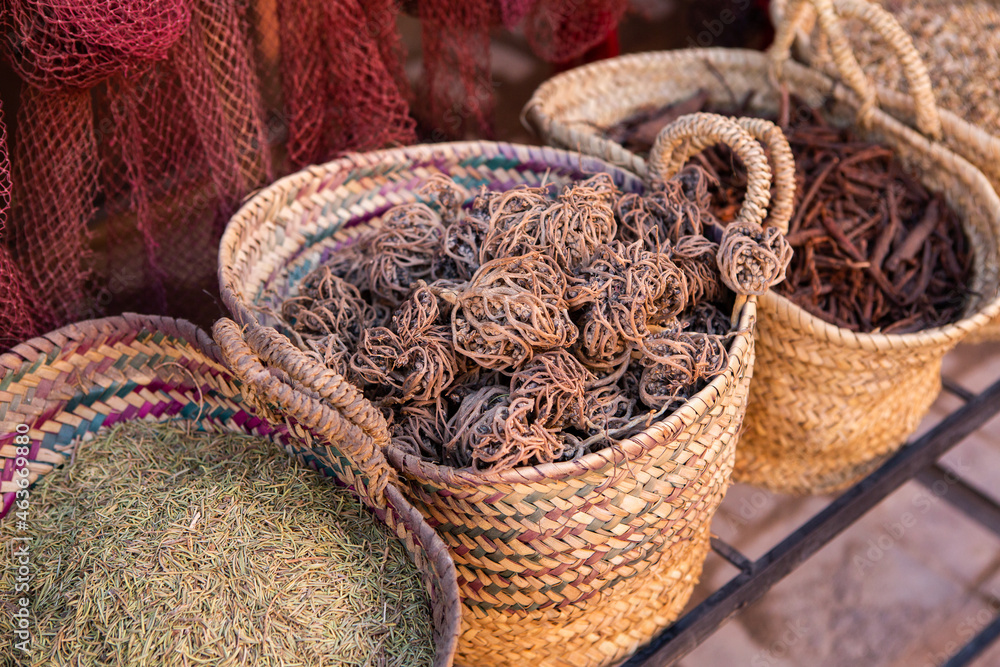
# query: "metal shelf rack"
{"points": [[918, 460]]}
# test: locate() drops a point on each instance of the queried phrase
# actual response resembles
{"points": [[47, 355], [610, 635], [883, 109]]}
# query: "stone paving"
{"points": [[905, 586]]}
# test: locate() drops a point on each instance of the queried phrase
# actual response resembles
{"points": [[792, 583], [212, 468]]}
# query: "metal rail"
{"points": [[917, 460]]}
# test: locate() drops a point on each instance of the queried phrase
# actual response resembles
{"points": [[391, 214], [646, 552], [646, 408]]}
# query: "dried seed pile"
{"points": [[162, 547], [535, 326], [958, 41], [875, 251]]}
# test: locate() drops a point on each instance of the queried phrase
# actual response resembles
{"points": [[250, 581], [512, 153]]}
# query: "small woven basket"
{"points": [[74, 381], [827, 404], [966, 92], [575, 563]]}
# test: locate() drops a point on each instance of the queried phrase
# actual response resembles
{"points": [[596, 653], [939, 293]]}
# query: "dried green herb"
{"points": [[162, 546]]}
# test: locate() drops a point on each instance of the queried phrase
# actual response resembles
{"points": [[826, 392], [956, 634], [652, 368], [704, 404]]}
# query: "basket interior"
{"points": [[588, 100]]}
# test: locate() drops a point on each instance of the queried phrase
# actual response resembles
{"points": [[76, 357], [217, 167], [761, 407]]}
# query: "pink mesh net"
{"points": [[15, 309], [561, 30], [457, 96], [341, 77], [142, 125]]}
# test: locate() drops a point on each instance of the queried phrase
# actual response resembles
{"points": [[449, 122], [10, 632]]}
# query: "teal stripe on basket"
{"points": [[16, 376], [126, 388], [139, 360]]}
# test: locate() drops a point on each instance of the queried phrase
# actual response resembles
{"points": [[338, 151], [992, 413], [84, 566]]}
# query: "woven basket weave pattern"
{"points": [[574, 563], [826, 404], [74, 381], [960, 129]]}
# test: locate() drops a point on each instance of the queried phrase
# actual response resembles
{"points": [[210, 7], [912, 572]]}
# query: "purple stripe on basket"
{"points": [[44, 387], [104, 364], [243, 419]]}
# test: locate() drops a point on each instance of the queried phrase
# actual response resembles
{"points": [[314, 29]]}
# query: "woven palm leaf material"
{"points": [[569, 563], [555, 307], [830, 404], [954, 43], [60, 389], [211, 545]]}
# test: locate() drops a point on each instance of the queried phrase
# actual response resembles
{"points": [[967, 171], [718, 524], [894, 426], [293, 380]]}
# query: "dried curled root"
{"points": [[512, 309], [402, 251], [418, 313], [447, 194], [472, 380], [556, 383], [674, 216], [379, 353], [401, 371], [458, 256], [621, 292], [514, 218], [635, 223], [421, 429], [670, 285], [708, 318], [696, 257], [609, 409], [681, 365], [753, 259], [347, 262], [534, 273], [332, 352], [696, 185], [493, 431], [578, 222], [328, 305]]}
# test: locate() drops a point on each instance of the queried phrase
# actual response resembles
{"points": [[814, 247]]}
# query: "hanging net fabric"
{"points": [[141, 125]]}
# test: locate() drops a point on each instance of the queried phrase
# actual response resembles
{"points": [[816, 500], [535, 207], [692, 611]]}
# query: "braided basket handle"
{"points": [[345, 426], [751, 258], [884, 24], [689, 135], [782, 167]]}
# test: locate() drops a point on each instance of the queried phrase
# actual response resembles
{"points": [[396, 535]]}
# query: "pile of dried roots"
{"points": [[536, 325], [875, 250]]}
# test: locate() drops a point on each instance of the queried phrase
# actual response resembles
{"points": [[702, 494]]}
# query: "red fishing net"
{"points": [[456, 97], [562, 30], [142, 124], [15, 310], [341, 76]]}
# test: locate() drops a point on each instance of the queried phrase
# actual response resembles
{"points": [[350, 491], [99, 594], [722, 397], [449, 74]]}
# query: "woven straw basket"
{"points": [[78, 379], [573, 563], [827, 405], [960, 128]]}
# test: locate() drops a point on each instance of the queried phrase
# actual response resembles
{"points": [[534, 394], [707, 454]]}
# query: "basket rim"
{"points": [[319, 174], [772, 303], [50, 349], [265, 206]]}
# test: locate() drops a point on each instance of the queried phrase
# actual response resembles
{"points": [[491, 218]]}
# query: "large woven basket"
{"points": [[827, 404], [824, 44], [86, 376], [574, 563]]}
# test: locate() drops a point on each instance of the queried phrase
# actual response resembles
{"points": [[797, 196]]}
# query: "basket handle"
{"points": [[689, 135], [782, 168], [352, 428], [752, 258], [884, 24]]}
